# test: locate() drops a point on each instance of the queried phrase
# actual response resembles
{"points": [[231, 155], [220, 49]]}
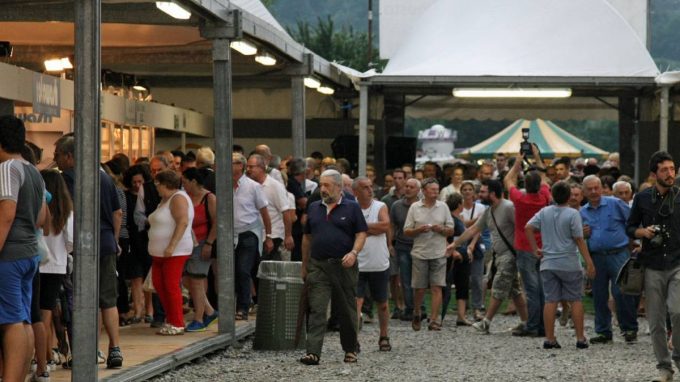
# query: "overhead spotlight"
{"points": [[326, 90], [173, 9], [141, 86], [265, 59], [243, 47], [54, 65], [5, 49], [312, 82]]}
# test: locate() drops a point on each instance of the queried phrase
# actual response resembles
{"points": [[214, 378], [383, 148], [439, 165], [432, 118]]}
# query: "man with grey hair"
{"points": [[251, 219], [604, 226], [311, 183], [374, 258], [266, 153], [624, 191], [334, 235]]}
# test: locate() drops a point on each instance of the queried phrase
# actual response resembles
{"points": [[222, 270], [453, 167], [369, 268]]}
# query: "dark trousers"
{"points": [[246, 254], [331, 281]]}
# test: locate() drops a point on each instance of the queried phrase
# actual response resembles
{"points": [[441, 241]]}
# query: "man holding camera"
{"points": [[604, 226], [653, 219]]}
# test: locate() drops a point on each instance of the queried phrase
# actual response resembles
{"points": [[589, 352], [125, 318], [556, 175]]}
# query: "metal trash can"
{"points": [[277, 306]]}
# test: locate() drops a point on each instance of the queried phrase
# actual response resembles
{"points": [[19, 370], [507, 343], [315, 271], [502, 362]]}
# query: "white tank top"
{"points": [[375, 256], [162, 225]]}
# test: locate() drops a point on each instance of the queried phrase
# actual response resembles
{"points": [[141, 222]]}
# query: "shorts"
{"points": [[394, 266], [506, 281], [49, 292], [196, 267], [376, 282], [16, 288], [562, 285], [108, 282], [426, 273]]}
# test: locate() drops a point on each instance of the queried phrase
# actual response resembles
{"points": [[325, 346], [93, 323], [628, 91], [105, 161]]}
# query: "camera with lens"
{"points": [[525, 146], [660, 236]]}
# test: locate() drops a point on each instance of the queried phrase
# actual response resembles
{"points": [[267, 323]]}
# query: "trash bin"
{"points": [[277, 306]]}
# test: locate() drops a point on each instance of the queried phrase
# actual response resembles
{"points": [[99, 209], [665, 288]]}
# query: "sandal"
{"points": [[434, 325], [415, 324], [134, 320], [241, 316], [170, 330], [310, 359], [384, 344], [351, 357]]}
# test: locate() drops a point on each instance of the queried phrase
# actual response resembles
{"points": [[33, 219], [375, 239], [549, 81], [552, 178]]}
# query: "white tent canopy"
{"points": [[542, 38]]}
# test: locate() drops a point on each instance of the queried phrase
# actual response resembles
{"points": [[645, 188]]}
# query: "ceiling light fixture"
{"points": [[326, 90], [312, 82], [512, 92], [54, 65], [173, 9], [243, 47], [66, 63], [265, 59]]}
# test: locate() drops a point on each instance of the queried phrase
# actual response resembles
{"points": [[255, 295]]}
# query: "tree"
{"points": [[346, 47]]}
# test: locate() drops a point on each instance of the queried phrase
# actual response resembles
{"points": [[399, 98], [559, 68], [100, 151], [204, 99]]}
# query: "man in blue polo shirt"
{"points": [[604, 225], [334, 235]]}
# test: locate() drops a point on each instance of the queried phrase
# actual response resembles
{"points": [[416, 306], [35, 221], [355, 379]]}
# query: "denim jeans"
{"points": [[527, 264], [245, 255], [606, 269], [404, 257]]}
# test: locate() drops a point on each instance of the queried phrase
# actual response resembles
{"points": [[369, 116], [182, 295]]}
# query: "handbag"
{"points": [[147, 286], [631, 277], [204, 202]]}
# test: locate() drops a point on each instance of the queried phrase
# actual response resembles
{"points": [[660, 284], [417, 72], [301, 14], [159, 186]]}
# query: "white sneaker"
{"points": [[483, 325], [44, 377]]}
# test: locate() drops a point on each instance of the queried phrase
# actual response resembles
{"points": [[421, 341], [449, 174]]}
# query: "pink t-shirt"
{"points": [[526, 206]]}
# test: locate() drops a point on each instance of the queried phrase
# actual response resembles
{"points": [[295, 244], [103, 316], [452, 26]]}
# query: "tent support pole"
{"points": [[363, 127], [663, 120], [299, 131]]}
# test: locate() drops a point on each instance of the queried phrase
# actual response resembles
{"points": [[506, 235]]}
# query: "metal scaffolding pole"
{"points": [[221, 35], [86, 203], [663, 118], [363, 128], [299, 129]]}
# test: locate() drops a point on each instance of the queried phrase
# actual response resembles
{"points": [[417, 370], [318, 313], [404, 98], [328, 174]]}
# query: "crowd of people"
{"points": [[516, 228]]}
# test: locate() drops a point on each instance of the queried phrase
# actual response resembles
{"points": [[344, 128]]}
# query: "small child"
{"points": [[561, 272]]}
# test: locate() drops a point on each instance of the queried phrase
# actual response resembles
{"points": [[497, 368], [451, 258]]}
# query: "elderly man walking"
{"points": [[374, 262], [654, 220], [604, 227], [429, 222], [334, 235]]}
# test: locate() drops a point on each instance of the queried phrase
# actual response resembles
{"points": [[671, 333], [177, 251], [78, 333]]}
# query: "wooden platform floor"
{"points": [[140, 343]]}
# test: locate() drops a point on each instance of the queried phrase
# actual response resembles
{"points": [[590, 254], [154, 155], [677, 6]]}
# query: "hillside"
{"points": [[665, 15]]}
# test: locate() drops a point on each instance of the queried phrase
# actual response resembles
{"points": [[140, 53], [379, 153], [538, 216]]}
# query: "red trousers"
{"points": [[166, 273]]}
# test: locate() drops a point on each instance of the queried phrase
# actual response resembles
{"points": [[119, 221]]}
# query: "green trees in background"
{"points": [[344, 46]]}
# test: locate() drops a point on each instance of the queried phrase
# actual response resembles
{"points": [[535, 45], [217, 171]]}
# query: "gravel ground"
{"points": [[454, 354]]}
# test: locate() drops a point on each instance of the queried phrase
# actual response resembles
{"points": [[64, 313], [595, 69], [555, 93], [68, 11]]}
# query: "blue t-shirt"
{"points": [[607, 224], [333, 233], [559, 226]]}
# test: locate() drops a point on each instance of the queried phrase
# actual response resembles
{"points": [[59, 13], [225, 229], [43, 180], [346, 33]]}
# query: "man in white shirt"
{"points": [[277, 196], [266, 153], [250, 219]]}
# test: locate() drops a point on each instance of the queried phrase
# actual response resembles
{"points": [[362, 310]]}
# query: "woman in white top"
{"points": [[59, 241], [456, 182], [472, 210], [170, 245]]}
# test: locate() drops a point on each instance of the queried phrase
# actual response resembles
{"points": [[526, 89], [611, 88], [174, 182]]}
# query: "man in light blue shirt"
{"points": [[604, 226]]}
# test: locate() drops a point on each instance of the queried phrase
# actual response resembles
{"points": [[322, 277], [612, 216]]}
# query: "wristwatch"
{"points": [[354, 252], [268, 236]]}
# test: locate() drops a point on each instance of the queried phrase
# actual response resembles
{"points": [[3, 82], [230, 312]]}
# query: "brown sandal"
{"points": [[415, 324], [351, 357], [384, 344], [434, 325], [310, 359]]}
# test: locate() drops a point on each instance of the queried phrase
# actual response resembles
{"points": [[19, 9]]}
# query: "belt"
{"points": [[332, 260], [613, 251]]}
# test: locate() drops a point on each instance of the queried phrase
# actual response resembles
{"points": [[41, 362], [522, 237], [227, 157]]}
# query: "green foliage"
{"points": [[665, 33], [268, 3], [344, 46]]}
